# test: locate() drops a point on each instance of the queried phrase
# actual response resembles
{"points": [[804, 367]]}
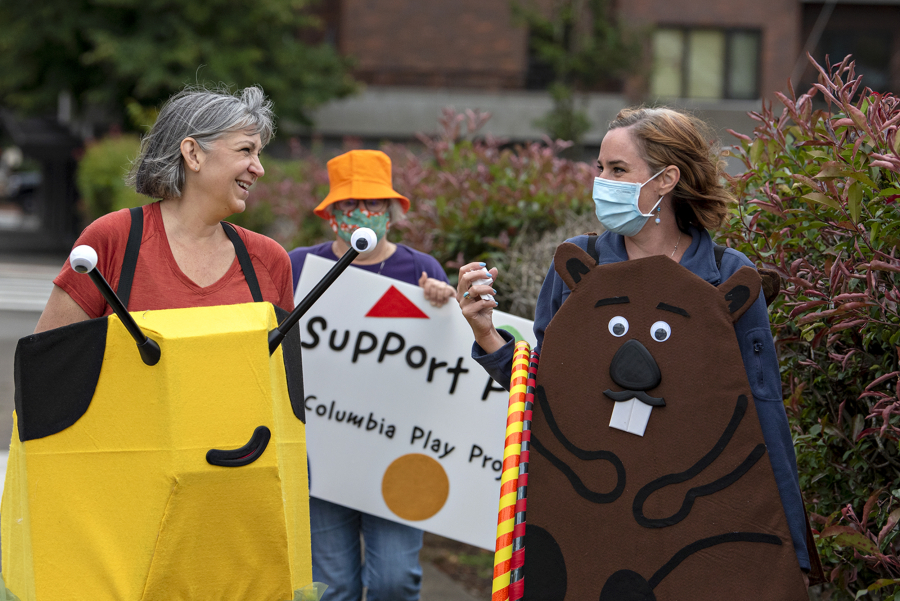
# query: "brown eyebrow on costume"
{"points": [[615, 300], [673, 309]]}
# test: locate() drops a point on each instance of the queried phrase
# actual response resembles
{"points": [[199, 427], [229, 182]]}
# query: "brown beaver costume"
{"points": [[649, 478]]}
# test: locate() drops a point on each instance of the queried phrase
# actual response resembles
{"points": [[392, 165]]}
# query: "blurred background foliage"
{"points": [[579, 46], [472, 195], [107, 56], [472, 198], [818, 203], [101, 176]]}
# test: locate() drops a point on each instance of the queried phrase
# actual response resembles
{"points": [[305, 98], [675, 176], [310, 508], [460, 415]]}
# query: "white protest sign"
{"points": [[395, 404]]}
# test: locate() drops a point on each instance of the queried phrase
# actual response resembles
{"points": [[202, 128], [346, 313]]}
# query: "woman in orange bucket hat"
{"points": [[361, 195]]}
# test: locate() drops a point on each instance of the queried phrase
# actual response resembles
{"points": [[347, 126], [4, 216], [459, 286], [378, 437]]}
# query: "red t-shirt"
{"points": [[158, 281]]}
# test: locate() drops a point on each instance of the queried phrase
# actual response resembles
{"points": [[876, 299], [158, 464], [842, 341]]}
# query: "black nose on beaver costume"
{"points": [[634, 368]]}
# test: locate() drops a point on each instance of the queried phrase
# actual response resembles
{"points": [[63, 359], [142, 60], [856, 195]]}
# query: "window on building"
{"points": [[870, 32], [705, 63]]}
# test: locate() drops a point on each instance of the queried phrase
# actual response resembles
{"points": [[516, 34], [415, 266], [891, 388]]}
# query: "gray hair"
{"points": [[397, 214], [204, 115]]}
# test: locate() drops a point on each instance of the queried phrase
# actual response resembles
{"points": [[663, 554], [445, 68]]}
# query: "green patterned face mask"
{"points": [[344, 224]]}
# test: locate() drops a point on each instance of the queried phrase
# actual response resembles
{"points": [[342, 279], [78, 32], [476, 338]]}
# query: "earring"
{"points": [[658, 209]]}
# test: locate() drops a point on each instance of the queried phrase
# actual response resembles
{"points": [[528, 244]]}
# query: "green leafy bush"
{"points": [[109, 55], [818, 204], [101, 176]]}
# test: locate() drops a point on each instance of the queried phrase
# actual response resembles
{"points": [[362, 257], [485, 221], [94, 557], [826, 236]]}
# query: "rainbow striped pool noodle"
{"points": [[510, 475], [517, 563]]}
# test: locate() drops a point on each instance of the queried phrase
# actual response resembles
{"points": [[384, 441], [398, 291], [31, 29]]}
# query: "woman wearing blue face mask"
{"points": [[658, 193]]}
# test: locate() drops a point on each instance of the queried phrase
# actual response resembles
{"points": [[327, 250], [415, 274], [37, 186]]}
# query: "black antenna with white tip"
{"points": [[83, 259], [363, 240]]}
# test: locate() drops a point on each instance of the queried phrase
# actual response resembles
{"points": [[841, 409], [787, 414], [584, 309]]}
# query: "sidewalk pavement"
{"points": [[437, 586], [25, 287]]}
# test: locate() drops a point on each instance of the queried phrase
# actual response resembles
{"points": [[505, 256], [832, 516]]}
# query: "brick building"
{"points": [[434, 44], [718, 58]]}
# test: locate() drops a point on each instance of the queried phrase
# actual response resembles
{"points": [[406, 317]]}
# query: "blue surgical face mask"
{"points": [[617, 205]]}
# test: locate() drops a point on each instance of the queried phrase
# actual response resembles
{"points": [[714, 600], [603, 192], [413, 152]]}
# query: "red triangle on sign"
{"points": [[394, 304]]}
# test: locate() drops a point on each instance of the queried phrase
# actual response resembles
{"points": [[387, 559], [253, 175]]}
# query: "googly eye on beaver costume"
{"points": [[660, 331], [618, 326]]}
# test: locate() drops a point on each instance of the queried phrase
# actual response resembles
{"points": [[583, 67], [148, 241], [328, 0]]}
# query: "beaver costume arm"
{"points": [[757, 351]]}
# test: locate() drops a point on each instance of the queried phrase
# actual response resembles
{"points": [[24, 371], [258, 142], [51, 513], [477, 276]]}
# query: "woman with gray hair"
{"points": [[199, 160]]}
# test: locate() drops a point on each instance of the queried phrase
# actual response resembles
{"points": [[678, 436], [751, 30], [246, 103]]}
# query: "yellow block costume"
{"points": [[134, 482]]}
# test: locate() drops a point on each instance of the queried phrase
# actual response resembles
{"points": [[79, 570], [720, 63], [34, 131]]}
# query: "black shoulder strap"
{"points": [[771, 281], [244, 259], [719, 252], [132, 248], [592, 247]]}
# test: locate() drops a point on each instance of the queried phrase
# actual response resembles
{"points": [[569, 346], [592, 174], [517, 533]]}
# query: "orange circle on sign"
{"points": [[415, 487]]}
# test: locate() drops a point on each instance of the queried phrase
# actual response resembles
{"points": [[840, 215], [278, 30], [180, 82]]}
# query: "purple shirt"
{"points": [[406, 264]]}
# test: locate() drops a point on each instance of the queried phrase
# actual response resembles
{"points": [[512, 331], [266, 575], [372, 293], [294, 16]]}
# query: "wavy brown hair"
{"points": [[668, 137]]}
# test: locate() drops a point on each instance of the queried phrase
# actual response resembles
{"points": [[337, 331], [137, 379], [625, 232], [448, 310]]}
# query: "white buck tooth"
{"points": [[630, 416]]}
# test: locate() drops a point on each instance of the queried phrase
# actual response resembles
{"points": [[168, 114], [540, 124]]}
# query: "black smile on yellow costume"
{"points": [[182, 480]]}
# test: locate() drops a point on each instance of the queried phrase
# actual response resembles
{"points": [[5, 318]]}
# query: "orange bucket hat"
{"points": [[359, 175]]}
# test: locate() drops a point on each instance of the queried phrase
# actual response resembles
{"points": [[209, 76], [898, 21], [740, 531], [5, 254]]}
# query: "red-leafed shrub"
{"points": [[818, 203], [471, 197]]}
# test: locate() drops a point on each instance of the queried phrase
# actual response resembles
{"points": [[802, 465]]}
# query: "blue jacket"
{"points": [[757, 350]]}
